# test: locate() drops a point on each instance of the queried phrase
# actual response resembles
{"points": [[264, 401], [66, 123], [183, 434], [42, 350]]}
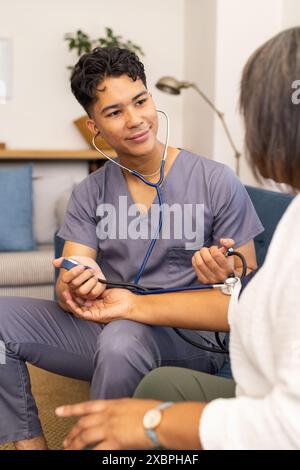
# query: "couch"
{"points": [[29, 273], [270, 206]]}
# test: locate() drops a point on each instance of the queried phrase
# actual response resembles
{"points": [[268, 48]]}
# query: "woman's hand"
{"points": [[118, 424], [114, 304], [108, 424], [211, 265]]}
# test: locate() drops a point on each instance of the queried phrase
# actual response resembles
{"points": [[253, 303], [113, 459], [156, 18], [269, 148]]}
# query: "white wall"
{"points": [[241, 28], [200, 62], [290, 13], [41, 111], [220, 35]]}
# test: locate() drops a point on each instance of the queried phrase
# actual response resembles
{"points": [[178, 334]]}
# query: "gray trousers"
{"points": [[113, 357]]}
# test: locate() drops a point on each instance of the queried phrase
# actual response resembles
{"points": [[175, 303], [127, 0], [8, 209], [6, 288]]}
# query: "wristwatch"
{"points": [[152, 420]]}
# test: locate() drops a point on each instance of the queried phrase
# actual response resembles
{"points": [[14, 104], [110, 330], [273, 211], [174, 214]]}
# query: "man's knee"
{"points": [[18, 316], [124, 341], [9, 311]]}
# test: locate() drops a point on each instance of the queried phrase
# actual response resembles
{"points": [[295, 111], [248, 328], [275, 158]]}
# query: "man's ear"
{"points": [[92, 126]]}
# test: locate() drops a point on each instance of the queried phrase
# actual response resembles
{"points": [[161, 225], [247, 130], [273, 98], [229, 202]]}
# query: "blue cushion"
{"points": [[225, 370], [270, 207], [16, 209]]}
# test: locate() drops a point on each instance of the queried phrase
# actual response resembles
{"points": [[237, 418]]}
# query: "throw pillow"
{"points": [[46, 192], [61, 207], [16, 209]]}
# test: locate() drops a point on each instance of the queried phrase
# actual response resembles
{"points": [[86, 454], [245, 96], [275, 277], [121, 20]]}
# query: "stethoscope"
{"points": [[226, 287]]}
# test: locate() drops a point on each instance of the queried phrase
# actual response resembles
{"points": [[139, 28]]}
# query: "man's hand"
{"points": [[211, 265], [114, 304], [108, 424], [82, 283]]}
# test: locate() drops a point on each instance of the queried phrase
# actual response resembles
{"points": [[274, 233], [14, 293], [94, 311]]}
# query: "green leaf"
{"points": [[82, 42]]}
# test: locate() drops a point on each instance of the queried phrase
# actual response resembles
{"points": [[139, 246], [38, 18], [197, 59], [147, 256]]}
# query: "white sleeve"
{"points": [[249, 423], [273, 421]]}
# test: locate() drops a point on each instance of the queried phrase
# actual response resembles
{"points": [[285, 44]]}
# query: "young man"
{"points": [[102, 230]]}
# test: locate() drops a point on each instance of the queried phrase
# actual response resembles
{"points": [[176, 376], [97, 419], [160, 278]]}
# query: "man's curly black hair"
{"points": [[96, 66]]}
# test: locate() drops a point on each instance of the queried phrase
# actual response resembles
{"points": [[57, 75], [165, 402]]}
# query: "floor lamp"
{"points": [[173, 86]]}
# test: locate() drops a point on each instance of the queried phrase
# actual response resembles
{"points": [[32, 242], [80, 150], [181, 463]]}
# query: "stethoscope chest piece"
{"points": [[229, 284]]}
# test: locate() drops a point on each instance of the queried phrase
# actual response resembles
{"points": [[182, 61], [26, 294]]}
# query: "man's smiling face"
{"points": [[125, 115]]}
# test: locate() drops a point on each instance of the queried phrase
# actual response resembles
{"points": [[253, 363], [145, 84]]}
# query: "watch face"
{"points": [[152, 419]]}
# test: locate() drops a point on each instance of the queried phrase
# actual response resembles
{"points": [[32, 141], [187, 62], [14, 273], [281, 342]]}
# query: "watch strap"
{"points": [[151, 433]]}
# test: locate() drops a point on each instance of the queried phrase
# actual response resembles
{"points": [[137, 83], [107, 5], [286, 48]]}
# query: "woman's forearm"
{"points": [[205, 310]]}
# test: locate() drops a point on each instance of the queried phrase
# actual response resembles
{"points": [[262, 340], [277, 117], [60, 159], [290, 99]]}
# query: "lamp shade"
{"points": [[173, 86], [5, 69], [169, 85]]}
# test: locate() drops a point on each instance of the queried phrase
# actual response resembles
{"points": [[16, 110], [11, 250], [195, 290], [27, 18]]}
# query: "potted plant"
{"points": [[82, 44]]}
